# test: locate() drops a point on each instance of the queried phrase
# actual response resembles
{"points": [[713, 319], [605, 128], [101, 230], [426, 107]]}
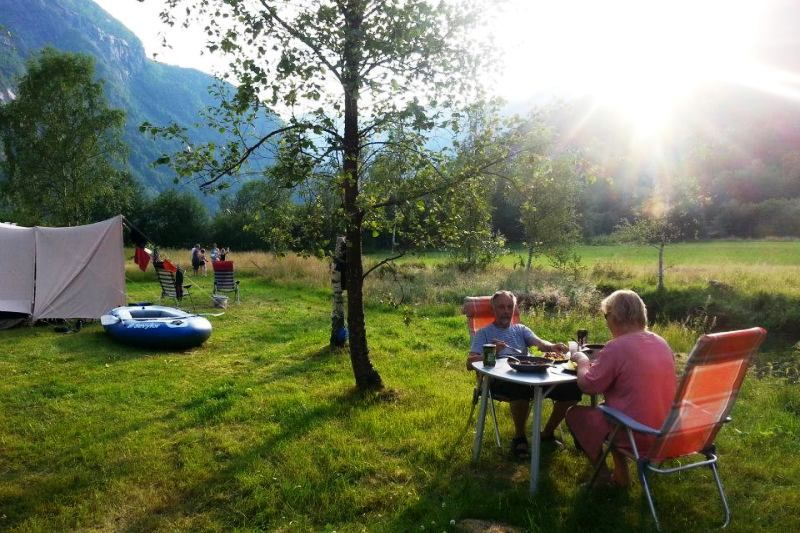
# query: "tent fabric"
{"points": [[80, 271], [75, 272], [17, 249]]}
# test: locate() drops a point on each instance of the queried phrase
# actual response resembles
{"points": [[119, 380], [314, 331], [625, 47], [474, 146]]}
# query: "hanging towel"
{"points": [[141, 257]]}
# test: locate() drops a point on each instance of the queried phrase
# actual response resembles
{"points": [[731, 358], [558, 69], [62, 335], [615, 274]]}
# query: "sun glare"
{"points": [[637, 57]]}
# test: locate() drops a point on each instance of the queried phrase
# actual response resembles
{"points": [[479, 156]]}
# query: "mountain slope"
{"points": [[146, 90]]}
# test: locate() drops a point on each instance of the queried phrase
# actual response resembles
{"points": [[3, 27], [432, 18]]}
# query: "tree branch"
{"points": [[227, 169], [448, 183], [305, 39], [383, 262]]}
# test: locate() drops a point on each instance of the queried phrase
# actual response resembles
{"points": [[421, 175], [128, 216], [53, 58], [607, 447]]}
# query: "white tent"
{"points": [[75, 272]]}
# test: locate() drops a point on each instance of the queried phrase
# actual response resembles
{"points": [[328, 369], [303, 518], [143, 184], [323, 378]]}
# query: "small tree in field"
{"points": [[64, 156], [358, 78], [666, 217], [654, 230], [547, 189]]}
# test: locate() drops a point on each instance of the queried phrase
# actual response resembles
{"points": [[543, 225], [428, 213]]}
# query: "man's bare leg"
{"points": [[556, 417], [519, 414]]}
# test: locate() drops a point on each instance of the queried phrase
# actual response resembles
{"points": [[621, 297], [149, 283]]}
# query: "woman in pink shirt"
{"points": [[635, 372]]}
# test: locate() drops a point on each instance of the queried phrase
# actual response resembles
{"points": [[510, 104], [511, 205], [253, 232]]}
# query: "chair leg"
{"points": [[496, 429], [641, 467], [715, 472]]}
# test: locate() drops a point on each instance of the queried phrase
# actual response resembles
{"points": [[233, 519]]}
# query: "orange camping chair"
{"points": [[478, 310], [223, 278], [714, 373]]}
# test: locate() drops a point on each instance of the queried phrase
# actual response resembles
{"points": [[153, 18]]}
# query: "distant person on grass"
{"points": [[196, 258], [203, 261], [635, 372], [214, 253], [506, 335]]}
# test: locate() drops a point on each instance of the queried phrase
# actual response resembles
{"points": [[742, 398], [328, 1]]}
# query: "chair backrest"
{"points": [[167, 281], [714, 373], [223, 275], [479, 313]]}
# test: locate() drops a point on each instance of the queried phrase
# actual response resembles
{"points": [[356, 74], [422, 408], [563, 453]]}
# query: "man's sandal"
{"points": [[519, 447]]}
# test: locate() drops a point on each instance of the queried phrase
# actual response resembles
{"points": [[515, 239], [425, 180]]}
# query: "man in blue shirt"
{"points": [[506, 336]]}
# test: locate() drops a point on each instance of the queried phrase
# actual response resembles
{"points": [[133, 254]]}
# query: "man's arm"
{"points": [[531, 339], [546, 346], [475, 344], [471, 358]]}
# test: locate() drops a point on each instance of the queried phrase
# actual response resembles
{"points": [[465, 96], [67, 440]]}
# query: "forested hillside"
{"points": [[145, 89]]}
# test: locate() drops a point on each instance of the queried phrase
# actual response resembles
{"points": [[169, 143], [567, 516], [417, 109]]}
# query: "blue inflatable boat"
{"points": [[156, 326]]}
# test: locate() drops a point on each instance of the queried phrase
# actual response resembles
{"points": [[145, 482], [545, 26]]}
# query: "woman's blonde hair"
{"points": [[625, 307]]}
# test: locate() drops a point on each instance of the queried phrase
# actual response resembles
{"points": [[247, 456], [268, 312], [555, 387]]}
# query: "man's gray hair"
{"points": [[509, 294], [626, 308]]}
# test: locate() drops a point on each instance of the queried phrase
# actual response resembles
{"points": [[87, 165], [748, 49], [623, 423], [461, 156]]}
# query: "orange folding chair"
{"points": [[714, 373], [478, 310]]}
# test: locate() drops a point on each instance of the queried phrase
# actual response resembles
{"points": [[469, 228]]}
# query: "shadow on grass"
{"points": [[189, 500], [496, 490]]}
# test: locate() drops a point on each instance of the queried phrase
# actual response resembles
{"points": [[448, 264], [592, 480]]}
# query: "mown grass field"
{"points": [[260, 429], [749, 265]]}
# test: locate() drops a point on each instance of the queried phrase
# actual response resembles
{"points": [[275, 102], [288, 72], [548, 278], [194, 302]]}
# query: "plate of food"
{"points": [[526, 363], [556, 357], [570, 368]]}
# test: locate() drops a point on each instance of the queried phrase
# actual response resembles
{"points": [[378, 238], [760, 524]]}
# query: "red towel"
{"points": [[141, 258], [166, 265]]}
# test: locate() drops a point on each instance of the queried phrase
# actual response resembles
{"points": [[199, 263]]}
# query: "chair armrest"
{"points": [[187, 286], [618, 417]]}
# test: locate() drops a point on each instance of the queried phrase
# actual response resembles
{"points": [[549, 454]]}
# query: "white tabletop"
{"points": [[502, 371]]}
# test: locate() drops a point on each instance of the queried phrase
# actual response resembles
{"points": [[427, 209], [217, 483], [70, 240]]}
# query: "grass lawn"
{"points": [[260, 429]]}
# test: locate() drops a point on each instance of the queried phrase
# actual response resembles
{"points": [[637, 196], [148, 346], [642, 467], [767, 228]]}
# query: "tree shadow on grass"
{"points": [[187, 501], [496, 490]]}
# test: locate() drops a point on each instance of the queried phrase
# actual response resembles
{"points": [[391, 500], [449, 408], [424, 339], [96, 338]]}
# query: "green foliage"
{"points": [[175, 219], [546, 189], [64, 157], [779, 217], [148, 91], [350, 75], [263, 215], [656, 231]]}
